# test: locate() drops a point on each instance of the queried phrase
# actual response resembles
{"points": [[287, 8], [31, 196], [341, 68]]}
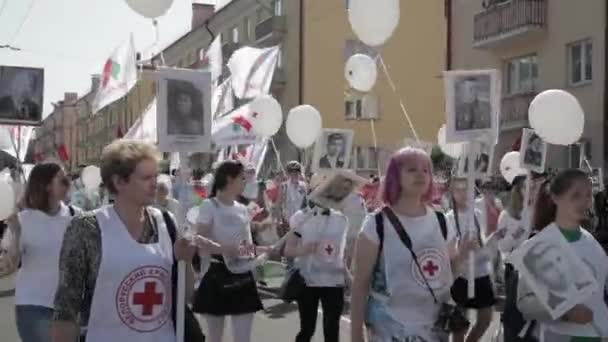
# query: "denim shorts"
{"points": [[33, 323]]}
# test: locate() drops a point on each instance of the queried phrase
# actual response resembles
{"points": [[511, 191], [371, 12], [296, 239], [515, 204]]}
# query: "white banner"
{"points": [[252, 70]]}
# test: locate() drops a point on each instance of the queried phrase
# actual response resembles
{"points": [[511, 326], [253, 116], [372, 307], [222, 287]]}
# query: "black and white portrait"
{"points": [[333, 149], [184, 110], [21, 95], [483, 153], [472, 104], [597, 179], [533, 151], [559, 278], [336, 188]]}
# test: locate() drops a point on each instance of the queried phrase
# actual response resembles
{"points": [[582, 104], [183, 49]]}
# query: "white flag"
{"points": [[252, 70], [144, 128], [234, 128], [118, 77], [15, 137], [222, 101], [212, 58]]}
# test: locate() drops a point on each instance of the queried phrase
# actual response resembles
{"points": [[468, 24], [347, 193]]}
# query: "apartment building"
{"points": [[537, 45]]}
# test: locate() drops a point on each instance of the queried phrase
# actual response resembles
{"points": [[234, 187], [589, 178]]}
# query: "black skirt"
{"points": [[484, 293], [213, 297]]}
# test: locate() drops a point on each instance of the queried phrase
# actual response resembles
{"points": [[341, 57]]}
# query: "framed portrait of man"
{"points": [[335, 188], [483, 157], [21, 95], [555, 274], [472, 104], [184, 110], [533, 151], [597, 179], [333, 150]]}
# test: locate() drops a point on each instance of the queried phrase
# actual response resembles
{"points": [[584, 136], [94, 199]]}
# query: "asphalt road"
{"points": [[279, 321]]}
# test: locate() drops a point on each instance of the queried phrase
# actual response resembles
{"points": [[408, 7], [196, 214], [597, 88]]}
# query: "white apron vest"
{"points": [[325, 267], [132, 297]]}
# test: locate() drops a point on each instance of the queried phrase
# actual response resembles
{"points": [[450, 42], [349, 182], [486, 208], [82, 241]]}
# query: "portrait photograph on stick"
{"points": [[533, 152], [333, 150], [21, 95], [184, 110], [597, 179], [553, 271], [335, 188], [483, 151], [472, 104]]}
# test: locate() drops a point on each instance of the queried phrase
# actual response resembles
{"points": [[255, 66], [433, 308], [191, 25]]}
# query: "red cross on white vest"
{"points": [[148, 299]]}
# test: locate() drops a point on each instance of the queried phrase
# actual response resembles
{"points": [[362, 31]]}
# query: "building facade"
{"points": [[537, 45], [415, 57]]}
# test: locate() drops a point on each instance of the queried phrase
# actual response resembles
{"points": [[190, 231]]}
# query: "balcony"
{"points": [[509, 21], [514, 111], [270, 31]]}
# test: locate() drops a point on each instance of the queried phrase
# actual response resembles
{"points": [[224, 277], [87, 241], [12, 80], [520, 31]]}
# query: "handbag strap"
{"points": [[407, 241]]}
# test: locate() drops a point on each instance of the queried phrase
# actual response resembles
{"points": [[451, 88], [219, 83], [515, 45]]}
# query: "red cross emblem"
{"points": [[143, 299], [148, 299], [430, 268], [241, 121], [329, 249]]}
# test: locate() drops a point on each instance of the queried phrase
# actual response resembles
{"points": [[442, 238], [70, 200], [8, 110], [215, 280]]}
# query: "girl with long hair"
{"points": [[562, 205], [228, 288], [37, 232], [390, 294], [484, 299]]}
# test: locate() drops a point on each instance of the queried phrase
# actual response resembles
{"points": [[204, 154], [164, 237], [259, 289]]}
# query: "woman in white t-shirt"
{"points": [[460, 219], [228, 288], [37, 232], [318, 244], [399, 305], [561, 206]]}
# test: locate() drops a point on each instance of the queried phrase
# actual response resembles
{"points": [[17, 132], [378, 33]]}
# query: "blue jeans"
{"points": [[33, 323]]}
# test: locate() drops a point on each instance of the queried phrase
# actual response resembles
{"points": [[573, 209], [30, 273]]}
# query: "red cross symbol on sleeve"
{"points": [[430, 268], [148, 299]]}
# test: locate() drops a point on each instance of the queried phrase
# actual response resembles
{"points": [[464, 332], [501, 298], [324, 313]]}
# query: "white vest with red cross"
{"points": [[132, 298], [325, 267]]}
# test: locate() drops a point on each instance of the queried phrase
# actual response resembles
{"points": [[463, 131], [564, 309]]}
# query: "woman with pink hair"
{"points": [[395, 295]]}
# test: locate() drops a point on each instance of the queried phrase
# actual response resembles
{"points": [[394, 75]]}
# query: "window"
{"points": [[372, 160], [580, 62], [360, 157], [280, 58], [576, 151], [278, 7], [263, 14], [247, 24], [365, 107], [522, 75], [234, 34]]}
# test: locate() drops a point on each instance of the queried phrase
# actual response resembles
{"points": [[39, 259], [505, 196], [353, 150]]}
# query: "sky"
{"points": [[71, 39]]}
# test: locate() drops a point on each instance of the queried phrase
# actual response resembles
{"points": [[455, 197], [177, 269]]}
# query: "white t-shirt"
{"points": [[354, 209], [325, 267], [292, 197], [482, 261], [40, 245], [230, 226], [514, 233], [407, 297]]}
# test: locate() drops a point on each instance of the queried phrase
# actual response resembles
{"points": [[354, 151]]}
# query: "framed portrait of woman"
{"points": [[533, 152], [184, 110]]}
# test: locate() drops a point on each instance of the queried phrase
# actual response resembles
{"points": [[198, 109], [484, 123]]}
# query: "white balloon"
{"points": [[303, 125], [192, 215], [510, 166], [7, 201], [266, 116], [557, 117], [453, 150], [374, 21], [150, 8], [361, 72], [91, 177]]}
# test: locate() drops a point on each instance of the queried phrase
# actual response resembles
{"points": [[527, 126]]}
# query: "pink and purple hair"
{"points": [[391, 187]]}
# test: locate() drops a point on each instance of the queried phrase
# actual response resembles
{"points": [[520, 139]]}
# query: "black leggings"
{"points": [[332, 303]]}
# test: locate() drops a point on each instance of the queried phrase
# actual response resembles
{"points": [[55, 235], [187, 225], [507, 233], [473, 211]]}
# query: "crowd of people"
{"points": [[101, 267]]}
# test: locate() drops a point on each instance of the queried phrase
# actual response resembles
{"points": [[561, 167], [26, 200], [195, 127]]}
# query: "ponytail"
{"points": [[545, 209]]}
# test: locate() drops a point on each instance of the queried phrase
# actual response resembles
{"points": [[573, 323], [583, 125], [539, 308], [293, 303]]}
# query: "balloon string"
{"points": [[586, 161], [157, 40], [394, 88], [373, 126], [278, 155]]}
